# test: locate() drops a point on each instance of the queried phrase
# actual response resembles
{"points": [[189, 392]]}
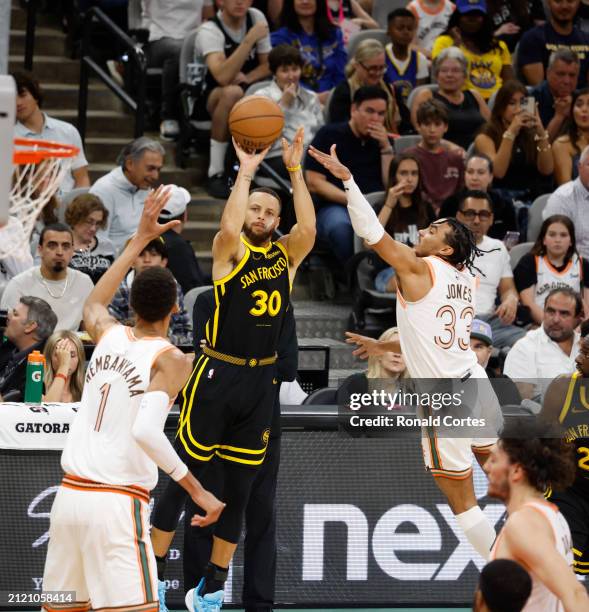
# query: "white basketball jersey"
{"points": [[100, 446], [541, 598], [435, 331], [548, 278], [430, 24]]}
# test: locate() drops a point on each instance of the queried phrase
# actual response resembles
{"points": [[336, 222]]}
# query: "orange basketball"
{"points": [[256, 122]]}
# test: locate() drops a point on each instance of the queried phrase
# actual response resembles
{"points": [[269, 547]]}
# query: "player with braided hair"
{"points": [[435, 309]]}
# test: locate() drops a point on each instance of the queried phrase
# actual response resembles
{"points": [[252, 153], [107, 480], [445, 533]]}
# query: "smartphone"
{"points": [[528, 105], [510, 240]]}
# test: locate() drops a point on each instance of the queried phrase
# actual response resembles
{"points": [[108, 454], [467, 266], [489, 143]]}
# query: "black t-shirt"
{"points": [[361, 156], [406, 226], [525, 275], [503, 211]]}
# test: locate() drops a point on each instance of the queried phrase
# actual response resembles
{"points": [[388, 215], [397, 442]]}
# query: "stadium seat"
{"points": [[518, 251], [405, 142], [321, 397], [382, 8], [358, 37], [535, 216], [432, 86], [190, 297]]}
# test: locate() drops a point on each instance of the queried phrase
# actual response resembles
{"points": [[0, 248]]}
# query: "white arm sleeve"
{"points": [[364, 219], [148, 431]]}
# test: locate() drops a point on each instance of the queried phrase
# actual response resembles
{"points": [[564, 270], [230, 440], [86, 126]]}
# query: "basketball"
{"points": [[256, 122]]}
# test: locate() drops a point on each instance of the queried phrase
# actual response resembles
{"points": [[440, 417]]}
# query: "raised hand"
{"points": [[249, 160], [63, 353], [293, 154], [155, 202], [331, 162], [367, 347]]}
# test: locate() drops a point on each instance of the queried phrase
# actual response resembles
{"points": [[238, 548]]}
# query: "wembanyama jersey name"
{"points": [[250, 303], [120, 365]]}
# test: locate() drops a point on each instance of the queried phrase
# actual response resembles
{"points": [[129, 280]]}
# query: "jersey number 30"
{"points": [[266, 303], [448, 316]]}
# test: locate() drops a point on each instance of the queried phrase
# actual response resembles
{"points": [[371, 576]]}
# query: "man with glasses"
{"points": [[496, 278], [363, 145]]}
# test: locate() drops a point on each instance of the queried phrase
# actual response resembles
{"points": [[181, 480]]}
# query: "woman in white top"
{"points": [[552, 262]]}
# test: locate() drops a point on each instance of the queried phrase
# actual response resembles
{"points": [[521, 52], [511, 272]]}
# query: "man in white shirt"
{"points": [[549, 351], [572, 200], [63, 288], [234, 46], [169, 22], [35, 124], [124, 189], [496, 276]]}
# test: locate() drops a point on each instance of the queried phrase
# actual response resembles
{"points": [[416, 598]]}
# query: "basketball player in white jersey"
{"points": [[535, 533], [99, 543], [435, 307]]}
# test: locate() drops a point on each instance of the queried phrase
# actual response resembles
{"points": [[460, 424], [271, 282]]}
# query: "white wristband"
{"points": [[364, 219]]}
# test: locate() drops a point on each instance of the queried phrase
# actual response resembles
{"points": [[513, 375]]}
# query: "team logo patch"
{"points": [[274, 381], [266, 436], [211, 373]]}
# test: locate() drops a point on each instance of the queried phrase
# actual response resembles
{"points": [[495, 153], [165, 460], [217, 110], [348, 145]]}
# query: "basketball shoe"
{"points": [[211, 602]]}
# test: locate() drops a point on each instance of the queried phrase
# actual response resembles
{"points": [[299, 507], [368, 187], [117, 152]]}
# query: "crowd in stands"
{"points": [[459, 108]]}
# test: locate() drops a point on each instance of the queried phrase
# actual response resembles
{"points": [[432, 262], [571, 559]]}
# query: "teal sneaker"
{"points": [[161, 593], [211, 602]]}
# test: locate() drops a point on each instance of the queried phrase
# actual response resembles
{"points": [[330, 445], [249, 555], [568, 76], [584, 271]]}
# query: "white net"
{"points": [[33, 185]]}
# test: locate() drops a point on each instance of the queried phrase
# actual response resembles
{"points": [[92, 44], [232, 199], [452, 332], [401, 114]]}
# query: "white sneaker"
{"points": [[169, 129]]}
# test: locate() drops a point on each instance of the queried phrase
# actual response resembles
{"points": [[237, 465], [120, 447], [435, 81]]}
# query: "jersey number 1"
{"points": [[104, 391]]}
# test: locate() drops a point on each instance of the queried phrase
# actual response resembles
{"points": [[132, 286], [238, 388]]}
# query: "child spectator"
{"points": [[300, 106], [552, 262], [306, 26], [517, 144], [471, 29], [86, 214], [432, 19], [65, 363], [441, 170], [406, 67], [365, 69], [403, 213]]}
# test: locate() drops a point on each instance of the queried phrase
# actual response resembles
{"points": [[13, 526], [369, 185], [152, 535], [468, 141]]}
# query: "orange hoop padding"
{"points": [[47, 150]]}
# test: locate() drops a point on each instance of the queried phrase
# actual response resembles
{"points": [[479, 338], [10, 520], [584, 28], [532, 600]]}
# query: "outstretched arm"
{"points": [[370, 347], [227, 246], [300, 240], [366, 223], [97, 319]]}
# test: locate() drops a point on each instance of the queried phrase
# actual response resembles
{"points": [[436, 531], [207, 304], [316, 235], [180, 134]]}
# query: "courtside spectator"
{"points": [[365, 69], [86, 215], [551, 349], [403, 213], [571, 199], [552, 262], [566, 150], [467, 110], [492, 266], [504, 586], [30, 322], [65, 364], [306, 26], [558, 32], [154, 254], [63, 288], [471, 29], [167, 30], [478, 176], [432, 19], [32, 122], [182, 261], [441, 169], [517, 144], [234, 45], [363, 146], [406, 67], [299, 105], [124, 189], [555, 94]]}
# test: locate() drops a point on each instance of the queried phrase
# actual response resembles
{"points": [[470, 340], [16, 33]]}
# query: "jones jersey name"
{"points": [[457, 291], [118, 364], [263, 273]]}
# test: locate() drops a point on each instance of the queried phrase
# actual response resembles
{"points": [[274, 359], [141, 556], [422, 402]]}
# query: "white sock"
{"points": [[478, 530], [217, 161]]}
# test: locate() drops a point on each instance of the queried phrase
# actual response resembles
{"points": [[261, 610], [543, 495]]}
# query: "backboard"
{"points": [[7, 119]]}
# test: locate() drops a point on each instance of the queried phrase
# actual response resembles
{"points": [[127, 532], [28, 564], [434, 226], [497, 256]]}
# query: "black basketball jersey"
{"points": [[250, 303], [575, 417]]}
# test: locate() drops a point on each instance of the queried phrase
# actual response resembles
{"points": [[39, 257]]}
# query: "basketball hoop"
{"points": [[39, 169]]}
